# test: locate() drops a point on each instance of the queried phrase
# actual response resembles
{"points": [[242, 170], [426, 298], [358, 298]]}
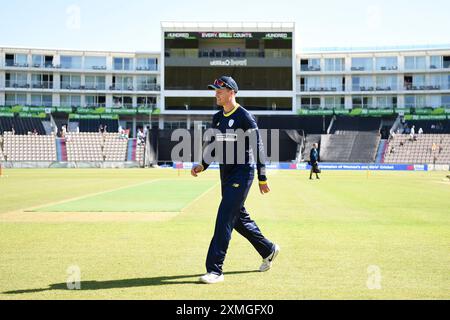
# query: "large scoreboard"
{"points": [[257, 60]]}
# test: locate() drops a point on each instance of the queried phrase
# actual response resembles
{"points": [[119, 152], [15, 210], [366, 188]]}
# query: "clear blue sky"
{"points": [[134, 25]]}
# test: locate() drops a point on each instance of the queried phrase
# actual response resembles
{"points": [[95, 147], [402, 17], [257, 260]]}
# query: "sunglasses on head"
{"points": [[221, 84]]}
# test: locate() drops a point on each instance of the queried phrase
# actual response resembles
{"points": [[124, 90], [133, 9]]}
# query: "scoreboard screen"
{"points": [[257, 60]]}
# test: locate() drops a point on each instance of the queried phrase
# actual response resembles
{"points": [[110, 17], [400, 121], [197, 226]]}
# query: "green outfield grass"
{"points": [[330, 231]]}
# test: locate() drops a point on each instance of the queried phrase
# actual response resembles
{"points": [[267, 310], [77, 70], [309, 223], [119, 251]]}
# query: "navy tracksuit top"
{"points": [[237, 119]]}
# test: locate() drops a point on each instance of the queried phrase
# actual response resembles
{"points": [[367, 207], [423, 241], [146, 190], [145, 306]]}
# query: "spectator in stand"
{"points": [[13, 130], [434, 147], [63, 131], [78, 129], [412, 133], [122, 133], [100, 129], [105, 129], [35, 133], [420, 131], [141, 137]]}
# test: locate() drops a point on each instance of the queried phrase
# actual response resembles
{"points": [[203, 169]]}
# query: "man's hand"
{"points": [[264, 188], [196, 170]]}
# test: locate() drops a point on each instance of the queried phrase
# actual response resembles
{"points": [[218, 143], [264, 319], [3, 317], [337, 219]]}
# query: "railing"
{"points": [[392, 87], [98, 68], [95, 86], [42, 85], [44, 65], [387, 68], [71, 86], [328, 88], [147, 68], [426, 86], [10, 63], [149, 87], [309, 68], [119, 87], [17, 84]]}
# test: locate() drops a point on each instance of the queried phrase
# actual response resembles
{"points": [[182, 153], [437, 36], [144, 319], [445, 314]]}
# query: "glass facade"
{"points": [[71, 62], [362, 64], [95, 63]]}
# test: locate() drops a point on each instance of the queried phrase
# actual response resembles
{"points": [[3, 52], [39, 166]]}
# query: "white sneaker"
{"points": [[211, 278], [267, 263]]}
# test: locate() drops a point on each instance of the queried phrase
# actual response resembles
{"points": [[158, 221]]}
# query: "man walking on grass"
{"points": [[236, 181]]}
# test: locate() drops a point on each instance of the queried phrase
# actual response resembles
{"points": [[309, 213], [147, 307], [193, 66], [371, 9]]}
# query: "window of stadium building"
{"points": [[387, 63], [16, 60], [147, 83], [123, 63], [122, 101], [311, 83], [70, 82], [95, 101], [122, 83], [436, 62], [40, 61], [12, 99], [362, 83], [95, 63], [415, 63], [386, 83], [434, 101], [445, 101], [71, 62], [362, 102], [16, 80], [362, 64], [41, 100], [42, 81], [146, 101], [415, 101], [264, 78], [310, 103], [310, 65], [147, 64], [334, 102], [95, 82], [337, 64], [70, 100], [383, 102]]}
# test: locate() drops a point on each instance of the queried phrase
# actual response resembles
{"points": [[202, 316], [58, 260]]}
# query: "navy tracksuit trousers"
{"points": [[232, 215]]}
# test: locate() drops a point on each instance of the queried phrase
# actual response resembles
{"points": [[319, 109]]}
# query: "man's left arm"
{"points": [[259, 154]]}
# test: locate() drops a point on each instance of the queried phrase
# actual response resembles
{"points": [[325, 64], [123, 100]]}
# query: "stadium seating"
{"points": [[29, 147], [114, 148], [84, 146], [21, 125], [140, 149], [94, 146], [420, 151], [349, 147]]}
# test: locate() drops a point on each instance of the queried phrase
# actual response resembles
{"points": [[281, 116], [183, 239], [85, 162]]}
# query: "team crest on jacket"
{"points": [[230, 123]]}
